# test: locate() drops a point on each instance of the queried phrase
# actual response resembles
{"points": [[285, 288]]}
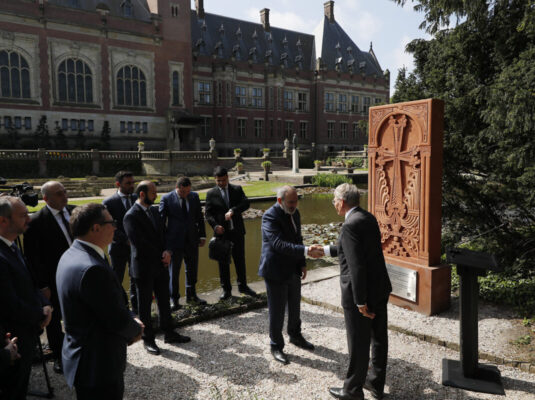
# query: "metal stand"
{"points": [[468, 373], [50, 390]]}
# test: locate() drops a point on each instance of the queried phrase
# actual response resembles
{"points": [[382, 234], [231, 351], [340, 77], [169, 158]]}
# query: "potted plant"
{"points": [[317, 164], [266, 151], [237, 152], [140, 146], [266, 165], [349, 166], [239, 167]]}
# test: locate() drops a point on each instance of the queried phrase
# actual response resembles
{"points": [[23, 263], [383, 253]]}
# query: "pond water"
{"points": [[314, 209]]}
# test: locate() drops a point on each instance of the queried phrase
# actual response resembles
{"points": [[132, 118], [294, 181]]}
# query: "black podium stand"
{"points": [[468, 373]]}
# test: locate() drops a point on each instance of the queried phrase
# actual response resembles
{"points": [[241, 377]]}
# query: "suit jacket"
{"points": [[147, 242], [98, 324], [44, 244], [180, 229], [22, 302], [363, 275], [283, 252], [216, 208], [116, 207]]}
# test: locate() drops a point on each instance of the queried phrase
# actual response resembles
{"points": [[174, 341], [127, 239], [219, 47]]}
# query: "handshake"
{"points": [[315, 251]]}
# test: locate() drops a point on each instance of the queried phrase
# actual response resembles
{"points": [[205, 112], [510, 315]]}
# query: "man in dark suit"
{"points": [[283, 265], [181, 211], [118, 204], [148, 265], [98, 324], [25, 311], [365, 289], [224, 205], [47, 238]]}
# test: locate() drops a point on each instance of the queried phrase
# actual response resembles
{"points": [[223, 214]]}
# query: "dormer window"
{"points": [[127, 8], [73, 3]]}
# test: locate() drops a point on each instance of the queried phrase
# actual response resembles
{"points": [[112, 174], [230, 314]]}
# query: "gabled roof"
{"points": [[140, 8], [228, 37], [337, 48]]}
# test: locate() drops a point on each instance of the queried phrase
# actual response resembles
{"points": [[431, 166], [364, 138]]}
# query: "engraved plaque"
{"points": [[403, 281]]}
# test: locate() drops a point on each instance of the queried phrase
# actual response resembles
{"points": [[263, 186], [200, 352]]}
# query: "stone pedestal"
{"points": [[295, 161]]}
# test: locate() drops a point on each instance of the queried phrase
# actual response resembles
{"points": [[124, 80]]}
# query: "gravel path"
{"points": [[229, 358]]}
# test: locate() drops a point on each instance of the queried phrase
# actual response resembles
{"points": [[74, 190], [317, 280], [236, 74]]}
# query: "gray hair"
{"points": [[6, 205], [347, 192], [46, 187], [281, 192]]}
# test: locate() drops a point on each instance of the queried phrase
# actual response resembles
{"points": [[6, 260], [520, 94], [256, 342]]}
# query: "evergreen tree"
{"points": [[41, 134], [105, 135]]}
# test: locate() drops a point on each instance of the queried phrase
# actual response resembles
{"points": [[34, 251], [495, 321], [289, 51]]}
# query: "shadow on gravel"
{"points": [[485, 311], [518, 385]]}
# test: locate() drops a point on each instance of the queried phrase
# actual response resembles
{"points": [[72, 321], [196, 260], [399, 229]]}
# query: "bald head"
{"points": [[14, 218], [55, 195]]}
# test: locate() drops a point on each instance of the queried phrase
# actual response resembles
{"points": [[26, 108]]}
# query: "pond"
{"points": [[314, 209]]}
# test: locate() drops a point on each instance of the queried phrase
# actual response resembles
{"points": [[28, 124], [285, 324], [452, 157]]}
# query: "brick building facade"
{"points": [[158, 72]]}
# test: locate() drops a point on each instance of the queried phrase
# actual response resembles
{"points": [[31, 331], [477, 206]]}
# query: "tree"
{"points": [[484, 70], [41, 134], [60, 140], [105, 135]]}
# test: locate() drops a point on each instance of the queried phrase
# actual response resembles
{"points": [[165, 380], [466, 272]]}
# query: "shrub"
{"points": [[266, 164], [330, 180], [237, 150]]}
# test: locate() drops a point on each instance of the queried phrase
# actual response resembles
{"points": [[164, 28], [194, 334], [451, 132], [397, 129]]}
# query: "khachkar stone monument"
{"points": [[405, 195]]}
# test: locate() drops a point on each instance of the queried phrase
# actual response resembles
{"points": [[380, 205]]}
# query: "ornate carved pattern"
{"points": [[420, 111], [376, 117], [398, 209]]}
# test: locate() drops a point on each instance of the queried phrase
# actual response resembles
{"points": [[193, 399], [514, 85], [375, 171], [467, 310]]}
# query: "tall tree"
{"points": [[484, 70]]}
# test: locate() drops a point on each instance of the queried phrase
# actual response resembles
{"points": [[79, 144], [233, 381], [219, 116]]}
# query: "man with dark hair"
{"points": [[118, 204], [98, 324], [47, 238], [25, 311], [181, 212], [225, 204], [148, 265]]}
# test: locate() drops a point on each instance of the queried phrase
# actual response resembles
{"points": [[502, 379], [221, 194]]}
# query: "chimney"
{"points": [[199, 6], [264, 18], [329, 10]]}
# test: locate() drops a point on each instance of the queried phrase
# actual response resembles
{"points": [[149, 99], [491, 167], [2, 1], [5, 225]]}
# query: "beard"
{"points": [[148, 201], [286, 209]]}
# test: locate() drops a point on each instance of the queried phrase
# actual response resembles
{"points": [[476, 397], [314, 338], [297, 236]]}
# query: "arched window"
{"points": [[127, 8], [75, 81], [14, 75], [176, 93], [131, 87]]}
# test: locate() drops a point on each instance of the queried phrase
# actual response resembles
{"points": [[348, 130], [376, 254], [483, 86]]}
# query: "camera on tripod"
{"points": [[23, 190]]}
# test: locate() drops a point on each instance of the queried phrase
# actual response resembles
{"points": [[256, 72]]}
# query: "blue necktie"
{"points": [[16, 250]]}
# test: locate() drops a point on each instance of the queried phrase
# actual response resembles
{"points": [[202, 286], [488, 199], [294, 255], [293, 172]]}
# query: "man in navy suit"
{"points": [[25, 311], [118, 204], [365, 289], [225, 204], [283, 265], [98, 324], [148, 265], [45, 241], [181, 211]]}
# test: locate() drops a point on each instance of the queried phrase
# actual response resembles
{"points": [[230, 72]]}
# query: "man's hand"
{"points": [[364, 311], [11, 346], [138, 337], [166, 258], [202, 242], [303, 273], [46, 292], [229, 215], [47, 312], [316, 251], [219, 230]]}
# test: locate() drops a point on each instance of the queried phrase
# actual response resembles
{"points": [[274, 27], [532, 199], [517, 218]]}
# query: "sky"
{"points": [[388, 26]]}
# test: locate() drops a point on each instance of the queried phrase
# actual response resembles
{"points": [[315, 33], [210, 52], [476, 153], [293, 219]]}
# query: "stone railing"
{"points": [[347, 154], [177, 155], [18, 154]]}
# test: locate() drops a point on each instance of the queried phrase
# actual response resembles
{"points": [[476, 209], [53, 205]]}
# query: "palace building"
{"points": [[158, 72]]}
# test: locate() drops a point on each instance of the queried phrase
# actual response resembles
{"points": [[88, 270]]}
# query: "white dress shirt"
{"points": [[63, 228]]}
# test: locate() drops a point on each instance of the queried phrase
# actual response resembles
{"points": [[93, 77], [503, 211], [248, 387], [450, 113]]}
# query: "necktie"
{"points": [[65, 224], [128, 202], [184, 208], [292, 223], [151, 217], [225, 197], [15, 249]]}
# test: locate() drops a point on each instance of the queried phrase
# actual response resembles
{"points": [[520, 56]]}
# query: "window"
{"points": [[342, 103], [355, 104], [343, 130], [330, 130], [90, 125], [289, 129], [271, 99], [145, 127], [355, 131], [75, 82], [28, 123], [229, 95], [279, 127], [241, 96], [366, 105], [138, 127], [302, 103], [81, 125], [7, 122], [205, 92], [257, 97], [288, 100], [241, 127], [219, 125], [14, 75], [127, 8], [174, 10], [131, 87], [329, 101], [271, 128], [258, 126], [175, 89], [279, 99], [206, 126], [378, 101], [122, 129], [64, 124], [130, 127], [74, 124], [18, 122], [219, 93], [303, 130]]}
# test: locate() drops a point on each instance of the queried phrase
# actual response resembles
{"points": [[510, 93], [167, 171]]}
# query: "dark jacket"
{"points": [[363, 275], [116, 208], [178, 228], [98, 324], [147, 242], [216, 208], [283, 252]]}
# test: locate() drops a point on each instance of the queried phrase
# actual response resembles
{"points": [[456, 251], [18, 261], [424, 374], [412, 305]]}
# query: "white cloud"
{"points": [[362, 27], [401, 57]]}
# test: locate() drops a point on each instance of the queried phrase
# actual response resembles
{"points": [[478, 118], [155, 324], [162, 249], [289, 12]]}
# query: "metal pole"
{"points": [[469, 288]]}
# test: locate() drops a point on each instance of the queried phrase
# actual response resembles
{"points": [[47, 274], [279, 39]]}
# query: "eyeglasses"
{"points": [[112, 222]]}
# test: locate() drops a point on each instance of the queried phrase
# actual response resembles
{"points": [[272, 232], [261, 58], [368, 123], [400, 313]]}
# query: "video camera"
{"points": [[24, 191]]}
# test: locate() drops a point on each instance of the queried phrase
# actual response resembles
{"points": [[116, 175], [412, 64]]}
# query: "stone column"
{"points": [[95, 161], [41, 158], [295, 161]]}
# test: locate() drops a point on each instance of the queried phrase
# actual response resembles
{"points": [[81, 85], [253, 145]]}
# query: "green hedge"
{"points": [[330, 180]]}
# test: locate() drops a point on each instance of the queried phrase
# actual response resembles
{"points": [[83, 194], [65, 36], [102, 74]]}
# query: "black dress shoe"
{"points": [[150, 346], [279, 356], [58, 366], [300, 341], [226, 295], [375, 393], [175, 337], [340, 393], [196, 300], [246, 290], [175, 305]]}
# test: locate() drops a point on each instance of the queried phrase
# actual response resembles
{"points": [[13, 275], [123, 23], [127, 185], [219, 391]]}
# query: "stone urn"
{"points": [[140, 146]]}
